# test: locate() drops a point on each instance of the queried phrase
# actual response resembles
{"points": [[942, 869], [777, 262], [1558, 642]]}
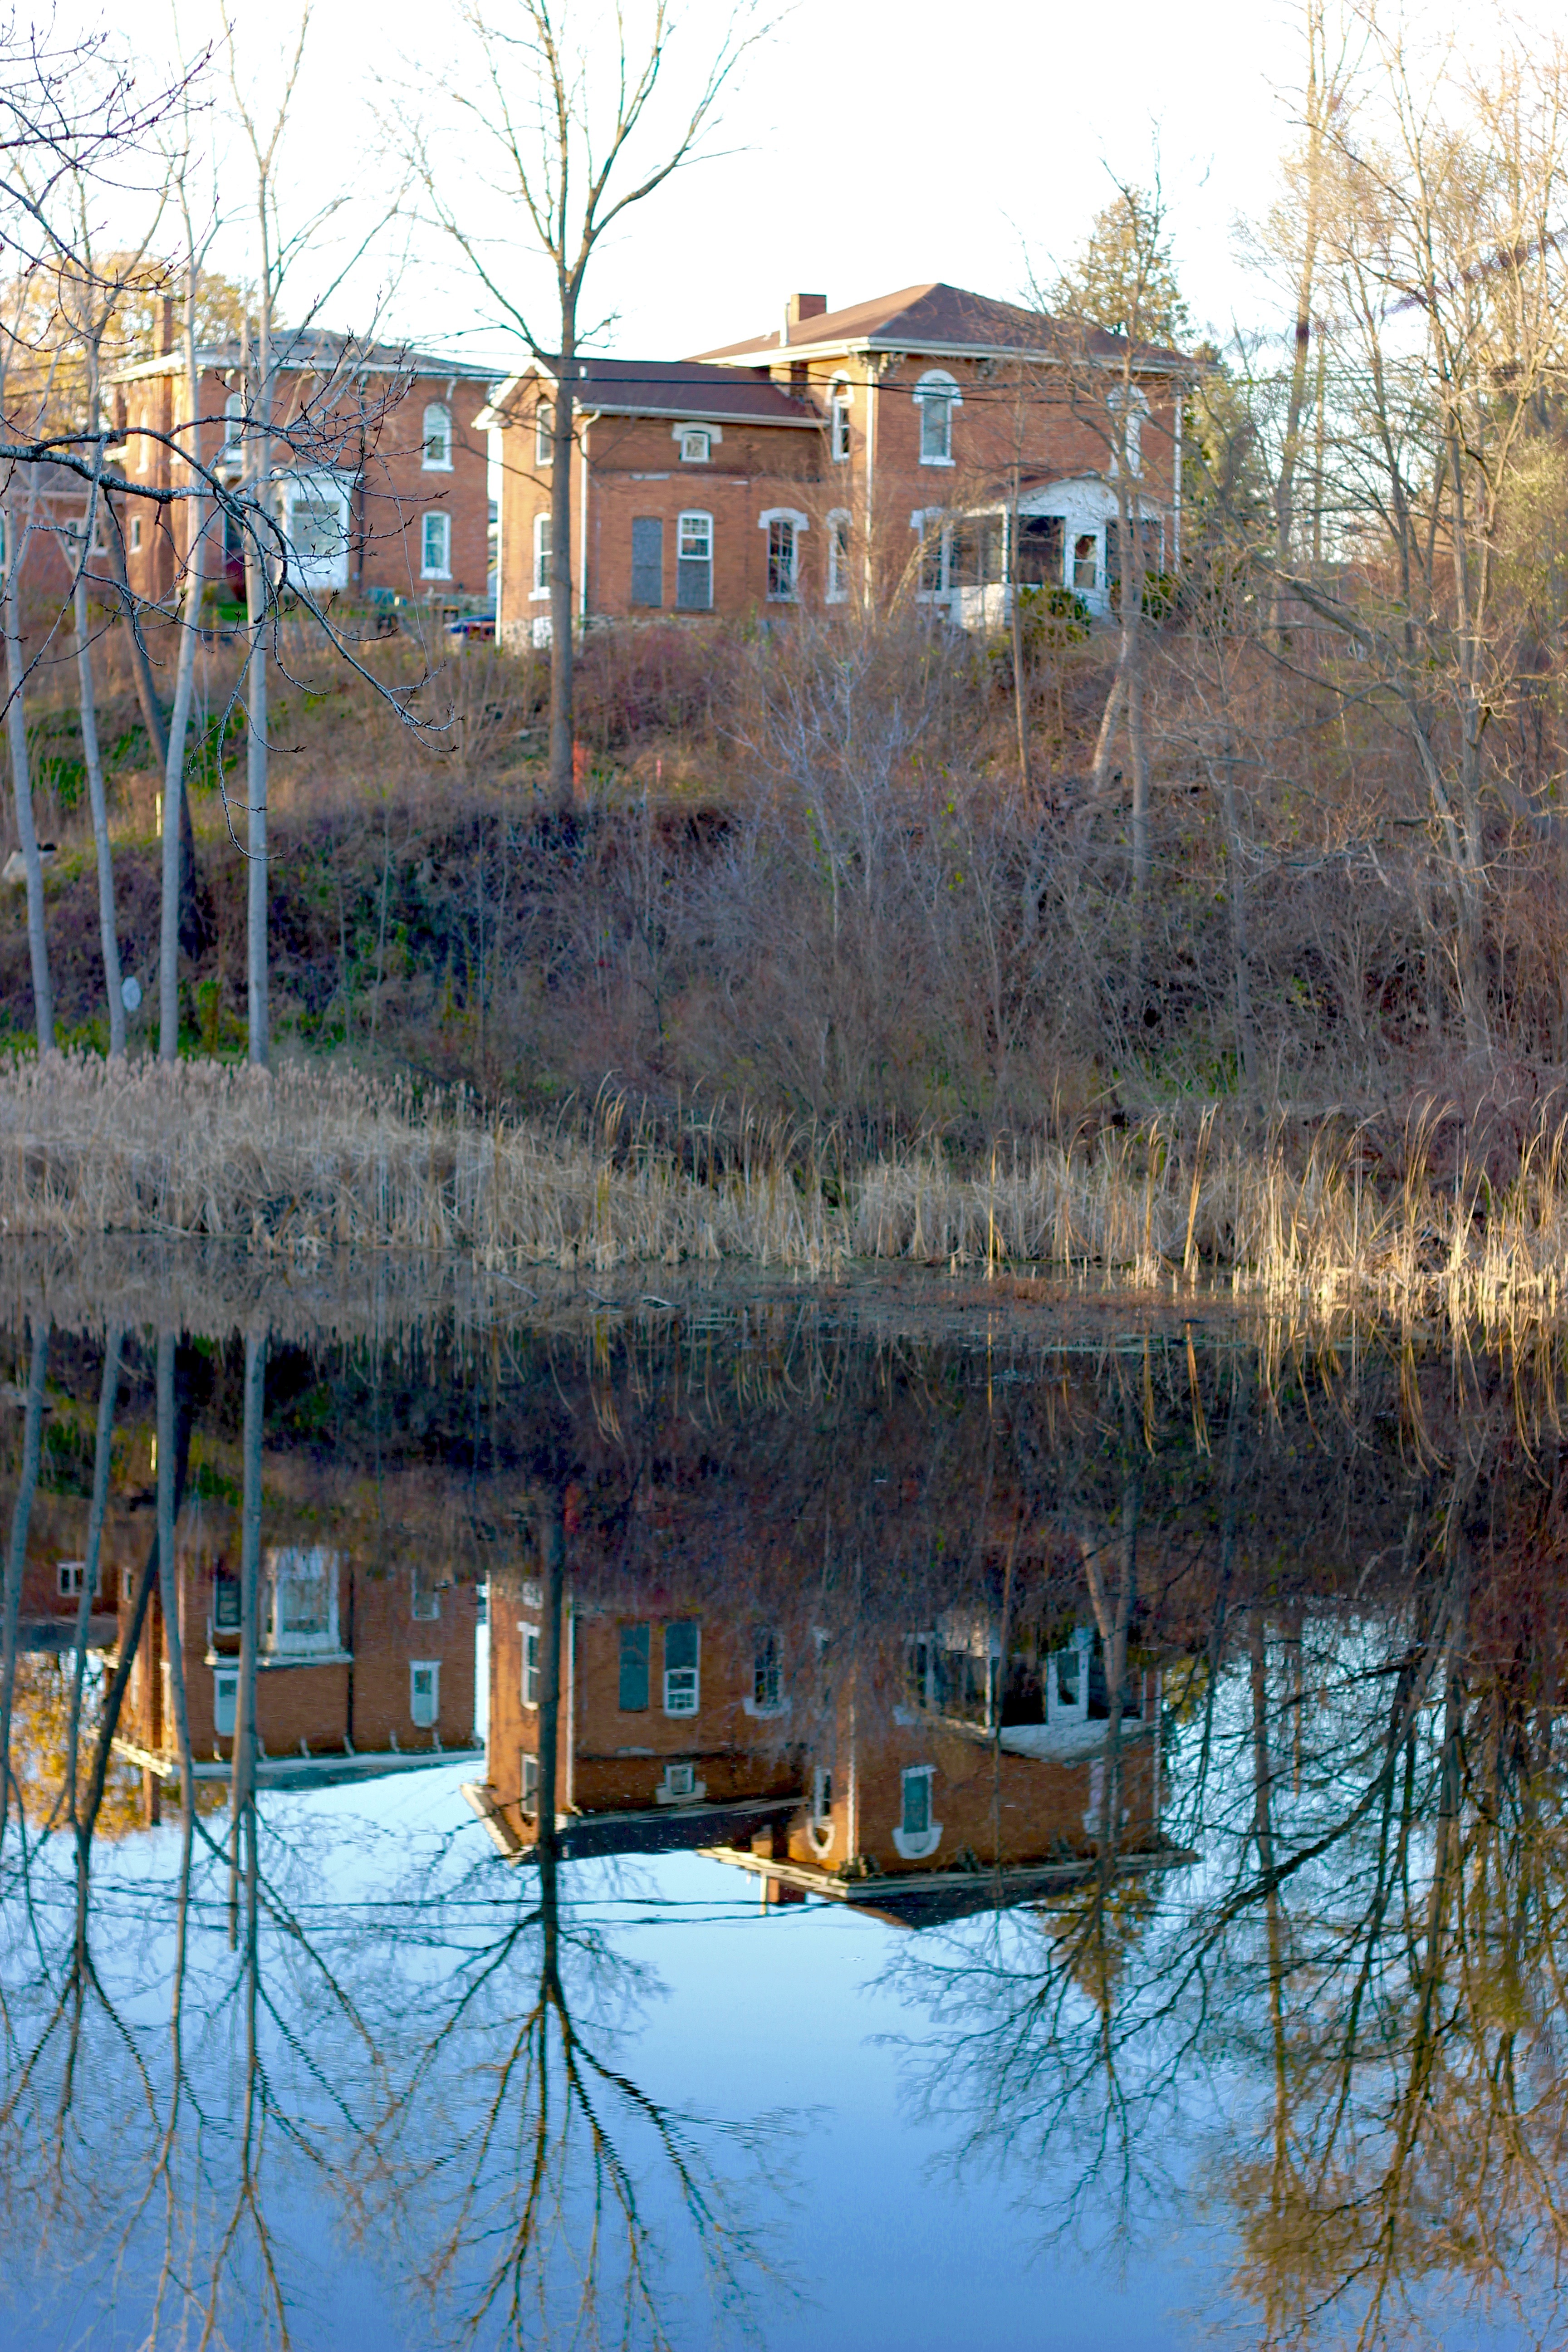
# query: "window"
{"points": [[634, 1643], [696, 445], [936, 397], [1153, 539], [544, 432], [423, 1692], [315, 526], [233, 417], [1085, 561], [680, 1779], [135, 534], [694, 565], [425, 1601], [682, 1682], [1128, 410], [1039, 556], [767, 1673], [838, 422], [69, 1577], [437, 458], [225, 1605], [647, 560], [436, 547], [781, 559], [530, 1664], [226, 1703], [530, 1784], [542, 555], [821, 1797], [300, 1605], [839, 558], [915, 1822]]}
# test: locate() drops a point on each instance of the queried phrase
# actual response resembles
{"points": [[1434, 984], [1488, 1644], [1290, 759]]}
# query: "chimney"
{"points": [[799, 307], [167, 308]]}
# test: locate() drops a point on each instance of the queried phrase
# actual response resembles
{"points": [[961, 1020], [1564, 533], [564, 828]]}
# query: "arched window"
{"points": [[936, 397], [437, 458], [783, 527], [839, 421], [1128, 410], [544, 432]]}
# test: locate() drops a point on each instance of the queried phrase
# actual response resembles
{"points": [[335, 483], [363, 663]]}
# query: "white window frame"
{"points": [[438, 432], [427, 570], [541, 553], [798, 524], [820, 1826], [528, 1797], [318, 571], [288, 1563], [679, 1700], [135, 535], [1135, 408], [937, 388], [763, 1708], [423, 1601], [682, 426], [917, 1845], [431, 1666], [841, 415], [225, 1688], [71, 1574], [839, 558], [528, 1664], [693, 515], [696, 445], [544, 432]]}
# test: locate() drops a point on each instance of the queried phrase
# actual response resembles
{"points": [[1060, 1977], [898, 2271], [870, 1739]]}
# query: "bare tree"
{"points": [[559, 114]]}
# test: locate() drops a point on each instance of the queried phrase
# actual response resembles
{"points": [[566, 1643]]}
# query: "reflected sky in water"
{"points": [[542, 1821]]}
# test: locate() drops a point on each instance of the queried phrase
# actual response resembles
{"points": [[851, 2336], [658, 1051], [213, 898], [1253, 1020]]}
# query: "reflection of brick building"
{"points": [[357, 1671], [889, 1779]]}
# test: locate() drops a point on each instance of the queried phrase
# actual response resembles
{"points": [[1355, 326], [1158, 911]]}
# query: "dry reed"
{"points": [[310, 1159]]}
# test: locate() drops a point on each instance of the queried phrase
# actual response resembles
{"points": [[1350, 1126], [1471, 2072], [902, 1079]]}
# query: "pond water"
{"points": [[883, 1821]]}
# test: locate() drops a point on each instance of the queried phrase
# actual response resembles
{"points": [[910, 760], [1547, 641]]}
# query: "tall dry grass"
{"points": [[311, 1158]]}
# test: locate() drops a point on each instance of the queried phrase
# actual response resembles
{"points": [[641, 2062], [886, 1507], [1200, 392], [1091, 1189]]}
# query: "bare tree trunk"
{"points": [[142, 667], [257, 1011], [168, 1566], [1020, 692], [16, 1558], [102, 1462], [22, 784], [552, 1593], [107, 928], [562, 721], [242, 1759]]}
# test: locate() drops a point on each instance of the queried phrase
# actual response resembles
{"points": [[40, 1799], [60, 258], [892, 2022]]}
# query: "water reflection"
{"points": [[1194, 1709]]}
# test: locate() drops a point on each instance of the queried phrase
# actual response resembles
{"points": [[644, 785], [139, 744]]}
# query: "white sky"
{"points": [[869, 144]]}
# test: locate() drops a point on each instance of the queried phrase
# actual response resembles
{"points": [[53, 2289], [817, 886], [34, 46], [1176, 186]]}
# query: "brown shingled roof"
{"points": [[922, 317], [682, 388]]}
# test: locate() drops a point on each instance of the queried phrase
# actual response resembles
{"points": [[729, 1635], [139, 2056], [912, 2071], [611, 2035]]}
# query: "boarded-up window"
{"points": [[916, 1821], [424, 1691], [648, 560], [225, 1695], [634, 1668]]}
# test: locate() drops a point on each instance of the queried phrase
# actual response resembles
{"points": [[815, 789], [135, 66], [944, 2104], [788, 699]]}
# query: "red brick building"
{"points": [[906, 1779], [380, 480], [933, 438]]}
